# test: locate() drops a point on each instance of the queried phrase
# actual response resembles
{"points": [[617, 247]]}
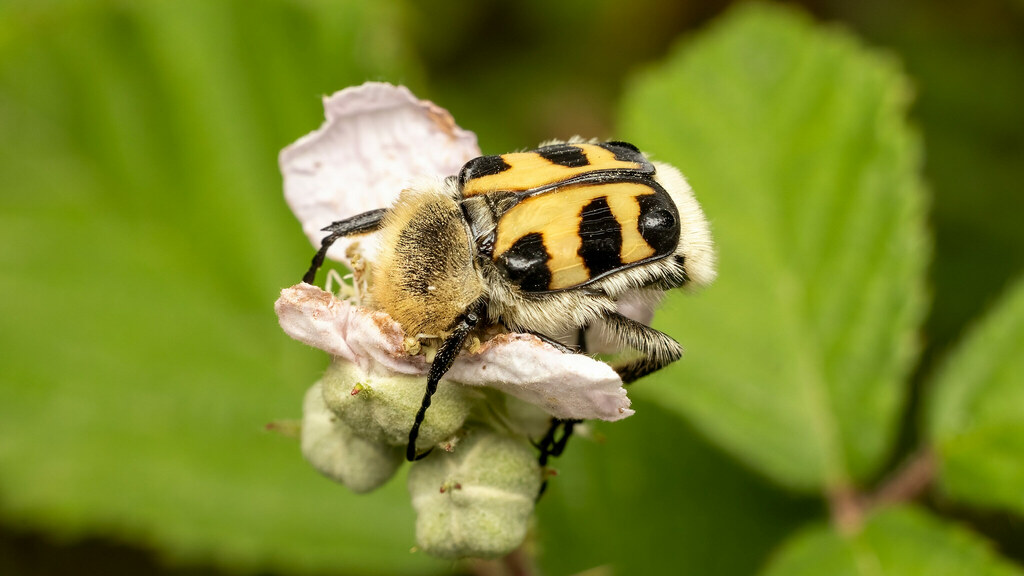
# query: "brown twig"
{"points": [[847, 507], [515, 563], [519, 563], [907, 483]]}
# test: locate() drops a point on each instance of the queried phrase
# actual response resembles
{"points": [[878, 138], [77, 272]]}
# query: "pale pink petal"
{"points": [[368, 338], [565, 385], [377, 139]]}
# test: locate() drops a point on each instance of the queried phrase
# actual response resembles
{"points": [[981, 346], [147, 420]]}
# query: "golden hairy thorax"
{"points": [[425, 290]]}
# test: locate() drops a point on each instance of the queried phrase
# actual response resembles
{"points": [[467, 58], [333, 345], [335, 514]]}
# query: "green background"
{"points": [[144, 237]]}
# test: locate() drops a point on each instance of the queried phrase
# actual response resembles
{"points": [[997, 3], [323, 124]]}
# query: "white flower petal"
{"points": [[377, 139], [370, 339], [565, 385]]}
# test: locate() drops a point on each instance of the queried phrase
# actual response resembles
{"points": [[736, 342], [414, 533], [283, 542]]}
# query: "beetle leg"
{"points": [[656, 349], [549, 447], [358, 224], [443, 360]]}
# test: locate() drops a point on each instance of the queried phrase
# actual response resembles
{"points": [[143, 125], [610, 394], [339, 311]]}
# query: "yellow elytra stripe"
{"points": [[530, 170], [556, 216]]}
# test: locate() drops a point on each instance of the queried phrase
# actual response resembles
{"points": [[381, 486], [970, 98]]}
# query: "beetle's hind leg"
{"points": [[358, 224], [551, 448], [656, 349]]}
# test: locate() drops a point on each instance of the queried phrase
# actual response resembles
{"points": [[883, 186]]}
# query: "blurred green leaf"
{"points": [[976, 411], [143, 239], [896, 542], [654, 494], [794, 139], [965, 62], [550, 70]]}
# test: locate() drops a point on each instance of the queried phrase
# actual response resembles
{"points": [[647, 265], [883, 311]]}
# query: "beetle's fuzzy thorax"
{"points": [[424, 276]]}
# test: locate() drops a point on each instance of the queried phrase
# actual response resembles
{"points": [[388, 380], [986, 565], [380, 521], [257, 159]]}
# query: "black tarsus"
{"points": [[446, 354], [551, 448], [358, 224], [548, 446], [559, 447]]}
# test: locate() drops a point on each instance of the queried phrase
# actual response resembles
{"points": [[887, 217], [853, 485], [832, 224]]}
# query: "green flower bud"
{"points": [[477, 500], [382, 408], [334, 448]]}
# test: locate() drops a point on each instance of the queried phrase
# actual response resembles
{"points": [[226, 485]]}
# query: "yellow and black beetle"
{"points": [[544, 242]]}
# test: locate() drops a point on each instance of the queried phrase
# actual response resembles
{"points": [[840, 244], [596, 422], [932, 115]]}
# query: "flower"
{"points": [[475, 495], [377, 139], [566, 386]]}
